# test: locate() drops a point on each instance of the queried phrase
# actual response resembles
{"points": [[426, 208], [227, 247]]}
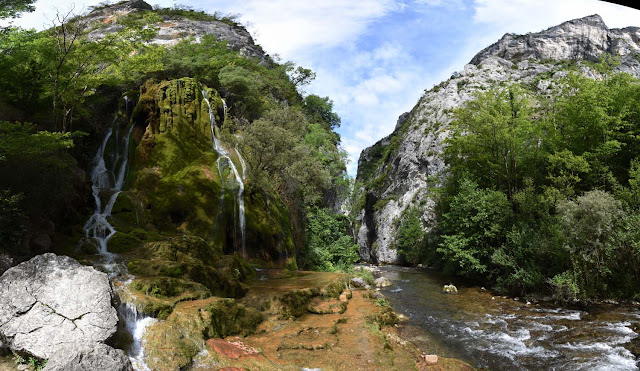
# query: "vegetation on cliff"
{"points": [[542, 192], [69, 80]]}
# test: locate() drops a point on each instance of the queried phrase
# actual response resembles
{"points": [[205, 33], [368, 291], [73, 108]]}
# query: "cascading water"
{"points": [[223, 155], [99, 230]]}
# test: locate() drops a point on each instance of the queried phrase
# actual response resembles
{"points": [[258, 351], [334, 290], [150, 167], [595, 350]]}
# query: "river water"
{"points": [[500, 333]]}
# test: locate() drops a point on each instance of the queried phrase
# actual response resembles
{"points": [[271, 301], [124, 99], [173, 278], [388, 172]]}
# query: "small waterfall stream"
{"points": [[99, 230], [225, 160]]}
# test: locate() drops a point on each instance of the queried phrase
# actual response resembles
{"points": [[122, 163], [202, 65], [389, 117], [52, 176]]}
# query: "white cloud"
{"points": [[287, 27]]}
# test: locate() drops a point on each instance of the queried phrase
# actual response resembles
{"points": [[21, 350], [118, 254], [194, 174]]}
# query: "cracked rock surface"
{"points": [[97, 357], [51, 302]]}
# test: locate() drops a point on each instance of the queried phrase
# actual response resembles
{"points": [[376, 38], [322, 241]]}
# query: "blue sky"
{"points": [[374, 58]]}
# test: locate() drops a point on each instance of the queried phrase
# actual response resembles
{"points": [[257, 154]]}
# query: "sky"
{"points": [[375, 58]]}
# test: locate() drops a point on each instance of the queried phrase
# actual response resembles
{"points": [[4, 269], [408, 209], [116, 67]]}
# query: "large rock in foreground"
{"points": [[96, 357], [51, 302]]}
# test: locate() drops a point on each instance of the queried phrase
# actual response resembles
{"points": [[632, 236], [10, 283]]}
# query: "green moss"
{"points": [[163, 287], [226, 317], [296, 302], [386, 317]]}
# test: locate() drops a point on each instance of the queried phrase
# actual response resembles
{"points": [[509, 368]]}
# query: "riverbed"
{"points": [[500, 333]]}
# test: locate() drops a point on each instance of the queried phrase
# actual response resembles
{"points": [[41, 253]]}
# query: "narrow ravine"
{"points": [[502, 333], [110, 181]]}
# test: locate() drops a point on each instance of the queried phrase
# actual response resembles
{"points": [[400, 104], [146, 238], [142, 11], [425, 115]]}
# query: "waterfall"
{"points": [[98, 229], [223, 155]]}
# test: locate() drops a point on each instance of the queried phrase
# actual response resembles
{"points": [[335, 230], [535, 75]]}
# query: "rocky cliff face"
{"points": [[399, 170], [176, 27]]}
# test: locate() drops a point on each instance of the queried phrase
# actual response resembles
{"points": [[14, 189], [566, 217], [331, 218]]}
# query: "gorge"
{"points": [[171, 199]]}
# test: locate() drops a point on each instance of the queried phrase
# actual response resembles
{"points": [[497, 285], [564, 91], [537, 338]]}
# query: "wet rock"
{"points": [[359, 282], [382, 282], [53, 301], [449, 289], [95, 357]]}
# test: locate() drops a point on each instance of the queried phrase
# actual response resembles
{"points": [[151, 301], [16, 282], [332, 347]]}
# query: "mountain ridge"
{"points": [[400, 170]]}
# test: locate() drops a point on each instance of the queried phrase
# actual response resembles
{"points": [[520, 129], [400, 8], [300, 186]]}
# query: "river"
{"points": [[501, 333]]}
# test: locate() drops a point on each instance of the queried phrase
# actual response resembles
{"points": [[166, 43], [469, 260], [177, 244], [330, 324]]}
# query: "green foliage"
{"points": [[329, 247], [242, 90], [589, 226], [279, 159], [12, 221], [183, 11], [13, 8], [29, 160], [543, 194], [411, 237], [320, 110], [473, 228], [564, 286]]}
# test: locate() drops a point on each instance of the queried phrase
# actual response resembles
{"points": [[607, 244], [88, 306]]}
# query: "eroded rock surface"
{"points": [[172, 28], [95, 357], [50, 302]]}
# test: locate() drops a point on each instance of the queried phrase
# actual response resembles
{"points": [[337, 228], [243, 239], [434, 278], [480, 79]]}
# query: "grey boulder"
{"points": [[52, 302], [95, 357], [360, 282], [382, 282]]}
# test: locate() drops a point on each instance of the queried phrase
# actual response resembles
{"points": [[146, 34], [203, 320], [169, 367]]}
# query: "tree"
{"points": [[302, 76], [411, 237], [589, 225], [80, 63], [242, 89], [493, 139], [329, 247], [473, 228], [320, 110], [13, 8]]}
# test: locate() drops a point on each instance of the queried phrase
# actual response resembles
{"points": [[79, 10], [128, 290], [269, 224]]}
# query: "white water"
{"points": [[223, 155], [506, 334], [99, 230]]}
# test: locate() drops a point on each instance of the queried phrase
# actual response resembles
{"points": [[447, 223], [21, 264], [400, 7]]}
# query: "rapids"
{"points": [[501, 333]]}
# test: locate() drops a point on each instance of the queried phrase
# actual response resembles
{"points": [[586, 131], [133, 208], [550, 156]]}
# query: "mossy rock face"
{"points": [[127, 213], [296, 302], [226, 317], [236, 267], [181, 187], [191, 258], [185, 248], [171, 344], [163, 287], [219, 283]]}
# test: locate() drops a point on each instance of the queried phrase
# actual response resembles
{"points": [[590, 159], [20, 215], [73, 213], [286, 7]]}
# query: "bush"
{"points": [[329, 246], [474, 227], [589, 224]]}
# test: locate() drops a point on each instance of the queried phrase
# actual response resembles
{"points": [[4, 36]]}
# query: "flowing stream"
{"points": [[502, 333], [225, 160], [109, 181]]}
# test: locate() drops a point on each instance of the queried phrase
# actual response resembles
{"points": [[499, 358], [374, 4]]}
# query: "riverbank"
{"points": [[496, 332], [287, 320]]}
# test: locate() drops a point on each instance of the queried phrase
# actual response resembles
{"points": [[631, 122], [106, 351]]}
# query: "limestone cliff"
{"points": [[399, 170], [176, 26]]}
